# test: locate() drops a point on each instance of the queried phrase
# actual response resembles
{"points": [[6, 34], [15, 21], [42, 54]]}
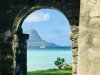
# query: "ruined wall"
{"points": [[6, 54], [89, 38], [74, 37], [21, 52], [13, 53], [13, 43]]}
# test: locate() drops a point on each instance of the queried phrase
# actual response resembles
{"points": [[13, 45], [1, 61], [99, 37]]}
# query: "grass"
{"points": [[51, 72]]}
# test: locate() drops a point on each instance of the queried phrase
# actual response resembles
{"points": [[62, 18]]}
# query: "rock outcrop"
{"points": [[36, 41]]}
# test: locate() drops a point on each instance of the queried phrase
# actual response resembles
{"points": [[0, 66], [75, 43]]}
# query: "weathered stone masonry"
{"points": [[89, 38], [13, 42], [21, 53], [13, 54], [74, 37], [13, 46]]}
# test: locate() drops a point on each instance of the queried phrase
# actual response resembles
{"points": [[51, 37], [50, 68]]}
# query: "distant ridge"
{"points": [[35, 40]]}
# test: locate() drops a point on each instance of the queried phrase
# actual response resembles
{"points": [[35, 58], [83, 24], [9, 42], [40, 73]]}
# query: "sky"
{"points": [[51, 25]]}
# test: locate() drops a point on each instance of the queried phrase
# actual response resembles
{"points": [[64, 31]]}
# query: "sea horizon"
{"points": [[51, 48], [43, 58]]}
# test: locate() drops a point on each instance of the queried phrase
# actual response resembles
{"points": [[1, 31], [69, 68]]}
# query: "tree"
{"points": [[59, 62]]}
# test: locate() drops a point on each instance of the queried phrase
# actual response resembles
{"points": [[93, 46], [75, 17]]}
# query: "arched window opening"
{"points": [[49, 48]]}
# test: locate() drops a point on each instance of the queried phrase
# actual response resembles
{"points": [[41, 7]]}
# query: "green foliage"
{"points": [[51, 72], [66, 66], [60, 63]]}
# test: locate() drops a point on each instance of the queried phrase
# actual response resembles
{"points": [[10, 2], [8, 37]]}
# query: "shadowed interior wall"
{"points": [[13, 43]]}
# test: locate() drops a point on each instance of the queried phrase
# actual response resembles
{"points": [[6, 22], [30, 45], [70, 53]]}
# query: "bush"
{"points": [[60, 63]]}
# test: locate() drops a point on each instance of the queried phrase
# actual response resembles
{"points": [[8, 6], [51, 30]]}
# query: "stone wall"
{"points": [[12, 41], [13, 51], [6, 54], [89, 38], [74, 37], [20, 48]]}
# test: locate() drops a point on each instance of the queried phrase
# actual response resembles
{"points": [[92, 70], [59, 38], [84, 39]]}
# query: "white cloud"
{"points": [[38, 16]]}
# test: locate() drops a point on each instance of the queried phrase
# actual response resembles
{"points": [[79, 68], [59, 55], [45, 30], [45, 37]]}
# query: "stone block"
{"points": [[75, 52], [74, 68], [75, 60]]}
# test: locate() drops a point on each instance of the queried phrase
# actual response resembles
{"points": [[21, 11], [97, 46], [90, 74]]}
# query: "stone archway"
{"points": [[18, 12], [10, 19], [74, 35]]}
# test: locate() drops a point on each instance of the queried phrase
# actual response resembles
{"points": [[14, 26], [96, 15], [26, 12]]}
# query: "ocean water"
{"points": [[41, 59]]}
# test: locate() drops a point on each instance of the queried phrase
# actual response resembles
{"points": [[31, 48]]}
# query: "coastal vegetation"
{"points": [[51, 72], [63, 69], [61, 64]]}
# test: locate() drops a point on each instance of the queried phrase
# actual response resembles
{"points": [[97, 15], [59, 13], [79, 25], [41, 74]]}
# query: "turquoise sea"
{"points": [[43, 58]]}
